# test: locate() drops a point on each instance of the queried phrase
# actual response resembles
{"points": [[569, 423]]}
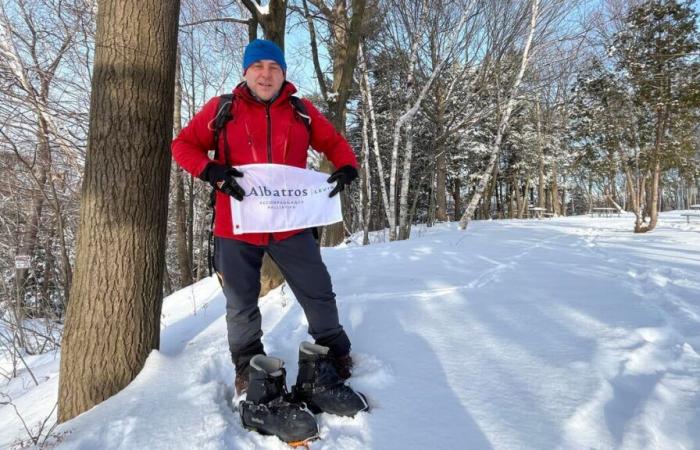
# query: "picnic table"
{"points": [[691, 214], [605, 212], [536, 211]]}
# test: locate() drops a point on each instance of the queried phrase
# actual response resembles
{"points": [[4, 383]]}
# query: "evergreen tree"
{"points": [[657, 54]]}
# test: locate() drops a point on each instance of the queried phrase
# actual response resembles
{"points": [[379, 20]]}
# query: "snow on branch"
{"points": [[217, 19]]}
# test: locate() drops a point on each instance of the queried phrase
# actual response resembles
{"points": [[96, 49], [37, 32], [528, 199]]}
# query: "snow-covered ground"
{"points": [[538, 334]]}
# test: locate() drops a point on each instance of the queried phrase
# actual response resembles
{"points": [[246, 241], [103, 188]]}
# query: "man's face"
{"points": [[264, 78]]}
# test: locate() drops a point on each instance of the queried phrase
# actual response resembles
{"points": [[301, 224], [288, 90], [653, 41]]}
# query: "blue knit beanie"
{"points": [[262, 49]]}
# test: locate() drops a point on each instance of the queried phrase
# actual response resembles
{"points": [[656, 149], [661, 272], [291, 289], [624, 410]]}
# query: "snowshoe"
{"points": [[321, 388], [267, 408]]}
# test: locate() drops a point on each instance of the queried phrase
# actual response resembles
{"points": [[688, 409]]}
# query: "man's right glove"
{"points": [[223, 178], [344, 176]]}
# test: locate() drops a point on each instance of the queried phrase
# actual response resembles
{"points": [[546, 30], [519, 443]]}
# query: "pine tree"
{"points": [[657, 54]]}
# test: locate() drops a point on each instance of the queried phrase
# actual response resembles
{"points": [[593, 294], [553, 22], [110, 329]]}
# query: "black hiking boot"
{"points": [[344, 365], [267, 408], [320, 386]]}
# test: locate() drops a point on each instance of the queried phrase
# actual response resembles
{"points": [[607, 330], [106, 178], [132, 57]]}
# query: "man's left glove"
{"points": [[344, 176], [223, 178]]}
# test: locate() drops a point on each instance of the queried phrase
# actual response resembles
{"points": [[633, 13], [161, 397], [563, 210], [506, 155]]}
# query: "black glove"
{"points": [[223, 178], [344, 176]]}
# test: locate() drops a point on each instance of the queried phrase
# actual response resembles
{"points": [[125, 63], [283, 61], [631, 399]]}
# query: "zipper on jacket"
{"points": [[269, 133], [270, 237]]}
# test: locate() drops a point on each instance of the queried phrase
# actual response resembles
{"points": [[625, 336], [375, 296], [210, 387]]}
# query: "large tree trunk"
{"points": [[113, 319]]}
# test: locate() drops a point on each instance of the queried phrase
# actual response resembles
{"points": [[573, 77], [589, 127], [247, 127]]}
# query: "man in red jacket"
{"points": [[266, 128]]}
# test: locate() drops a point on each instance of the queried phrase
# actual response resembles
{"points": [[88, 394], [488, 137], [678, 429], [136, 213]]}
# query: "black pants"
{"points": [[299, 260]]}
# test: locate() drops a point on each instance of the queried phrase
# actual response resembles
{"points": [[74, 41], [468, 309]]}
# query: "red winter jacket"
{"points": [[253, 139]]}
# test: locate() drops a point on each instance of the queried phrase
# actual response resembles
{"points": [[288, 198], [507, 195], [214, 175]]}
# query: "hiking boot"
{"points": [[343, 365], [241, 383], [320, 386], [267, 408]]}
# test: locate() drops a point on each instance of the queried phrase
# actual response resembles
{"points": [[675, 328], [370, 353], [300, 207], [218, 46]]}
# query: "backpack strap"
{"points": [[302, 111], [223, 116], [300, 108]]}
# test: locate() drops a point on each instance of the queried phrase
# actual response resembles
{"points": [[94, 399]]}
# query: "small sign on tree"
{"points": [[22, 262]]}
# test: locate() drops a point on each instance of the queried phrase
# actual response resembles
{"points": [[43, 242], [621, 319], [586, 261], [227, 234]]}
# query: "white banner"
{"points": [[283, 198]]}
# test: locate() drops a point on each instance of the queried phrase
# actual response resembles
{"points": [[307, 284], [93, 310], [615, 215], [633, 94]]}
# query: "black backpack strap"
{"points": [[303, 112], [223, 116]]}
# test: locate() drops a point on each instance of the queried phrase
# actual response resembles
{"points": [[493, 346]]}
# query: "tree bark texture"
{"points": [[113, 318]]}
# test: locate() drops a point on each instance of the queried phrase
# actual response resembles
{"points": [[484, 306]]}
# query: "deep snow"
{"points": [[517, 334]]}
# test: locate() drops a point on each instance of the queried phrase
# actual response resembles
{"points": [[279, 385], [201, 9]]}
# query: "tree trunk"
{"points": [[654, 204], [183, 254], [540, 184], [488, 195], [273, 22], [113, 319], [366, 188], [457, 196], [523, 200], [554, 187], [441, 160], [431, 201], [562, 207], [518, 196], [404, 223], [345, 41], [366, 90], [440, 185]]}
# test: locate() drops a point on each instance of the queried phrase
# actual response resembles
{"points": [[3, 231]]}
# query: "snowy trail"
{"points": [[565, 333]]}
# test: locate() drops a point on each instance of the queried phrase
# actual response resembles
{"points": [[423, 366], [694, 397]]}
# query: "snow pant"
{"points": [[299, 259]]}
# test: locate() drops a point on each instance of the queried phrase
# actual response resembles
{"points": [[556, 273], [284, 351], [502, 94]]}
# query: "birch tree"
{"points": [[495, 147]]}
